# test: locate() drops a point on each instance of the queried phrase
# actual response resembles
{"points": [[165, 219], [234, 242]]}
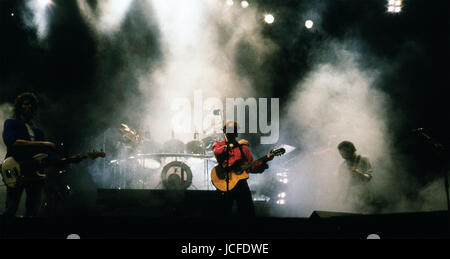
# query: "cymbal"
{"points": [[133, 135], [126, 128]]}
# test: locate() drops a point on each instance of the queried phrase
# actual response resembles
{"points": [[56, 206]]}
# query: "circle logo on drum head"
{"points": [[176, 175]]}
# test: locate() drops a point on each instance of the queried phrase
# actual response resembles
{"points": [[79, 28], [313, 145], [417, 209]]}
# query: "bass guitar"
{"points": [[237, 172], [15, 173]]}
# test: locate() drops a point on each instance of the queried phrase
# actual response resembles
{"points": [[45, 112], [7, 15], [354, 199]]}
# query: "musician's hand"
{"points": [[356, 170], [243, 142], [270, 156]]}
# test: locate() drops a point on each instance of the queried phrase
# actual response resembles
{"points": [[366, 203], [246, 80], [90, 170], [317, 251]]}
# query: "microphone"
{"points": [[418, 130], [421, 132], [226, 139]]}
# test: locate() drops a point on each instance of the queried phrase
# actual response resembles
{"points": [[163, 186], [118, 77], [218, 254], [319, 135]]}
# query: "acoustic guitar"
{"points": [[236, 172]]}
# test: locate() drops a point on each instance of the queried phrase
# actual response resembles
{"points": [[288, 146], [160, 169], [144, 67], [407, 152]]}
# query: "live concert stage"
{"points": [[224, 119]]}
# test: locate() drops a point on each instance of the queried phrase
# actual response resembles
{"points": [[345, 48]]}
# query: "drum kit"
{"points": [[174, 166]]}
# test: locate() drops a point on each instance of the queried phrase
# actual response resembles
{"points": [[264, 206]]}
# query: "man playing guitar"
{"points": [[232, 153], [23, 140]]}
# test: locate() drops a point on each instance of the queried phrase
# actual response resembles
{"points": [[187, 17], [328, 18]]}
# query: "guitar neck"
{"points": [[261, 159], [70, 159]]}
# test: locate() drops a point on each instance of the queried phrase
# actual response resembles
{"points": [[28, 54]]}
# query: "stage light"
{"points": [[394, 6], [230, 2], [280, 202], [268, 18], [282, 177], [261, 197], [282, 195], [309, 24], [244, 4], [12, 14], [283, 180]]}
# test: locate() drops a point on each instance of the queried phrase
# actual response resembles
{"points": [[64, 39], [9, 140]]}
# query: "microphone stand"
{"points": [[438, 148], [227, 176]]}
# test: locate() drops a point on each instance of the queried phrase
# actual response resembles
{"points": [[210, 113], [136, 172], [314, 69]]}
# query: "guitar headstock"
{"points": [[95, 154], [278, 151]]}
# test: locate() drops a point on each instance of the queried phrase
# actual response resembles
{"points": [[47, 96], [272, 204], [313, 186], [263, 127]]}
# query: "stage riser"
{"points": [[421, 225], [158, 203]]}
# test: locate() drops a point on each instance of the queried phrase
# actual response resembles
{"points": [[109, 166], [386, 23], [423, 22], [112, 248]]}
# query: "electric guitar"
{"points": [[15, 173], [237, 172]]}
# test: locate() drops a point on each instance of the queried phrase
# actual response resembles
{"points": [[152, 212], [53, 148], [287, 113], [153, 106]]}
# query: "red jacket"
{"points": [[234, 155]]}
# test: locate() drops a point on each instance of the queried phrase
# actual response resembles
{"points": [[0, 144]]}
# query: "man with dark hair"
{"points": [[358, 170], [357, 165], [23, 140], [230, 152]]}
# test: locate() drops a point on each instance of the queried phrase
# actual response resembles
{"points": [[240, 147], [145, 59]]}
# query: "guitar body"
{"points": [[13, 174], [219, 179], [10, 172]]}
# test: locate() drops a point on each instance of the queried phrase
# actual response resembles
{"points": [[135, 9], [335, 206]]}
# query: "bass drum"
{"points": [[176, 175]]}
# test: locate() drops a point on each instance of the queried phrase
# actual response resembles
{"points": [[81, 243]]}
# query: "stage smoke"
{"points": [[202, 48], [336, 101], [108, 15], [39, 16]]}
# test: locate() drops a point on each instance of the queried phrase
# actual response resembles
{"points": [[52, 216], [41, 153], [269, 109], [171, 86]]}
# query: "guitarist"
{"points": [[23, 140], [357, 171], [231, 152]]}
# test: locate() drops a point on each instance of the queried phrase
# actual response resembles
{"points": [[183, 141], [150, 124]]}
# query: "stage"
{"points": [[429, 225], [186, 215]]}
